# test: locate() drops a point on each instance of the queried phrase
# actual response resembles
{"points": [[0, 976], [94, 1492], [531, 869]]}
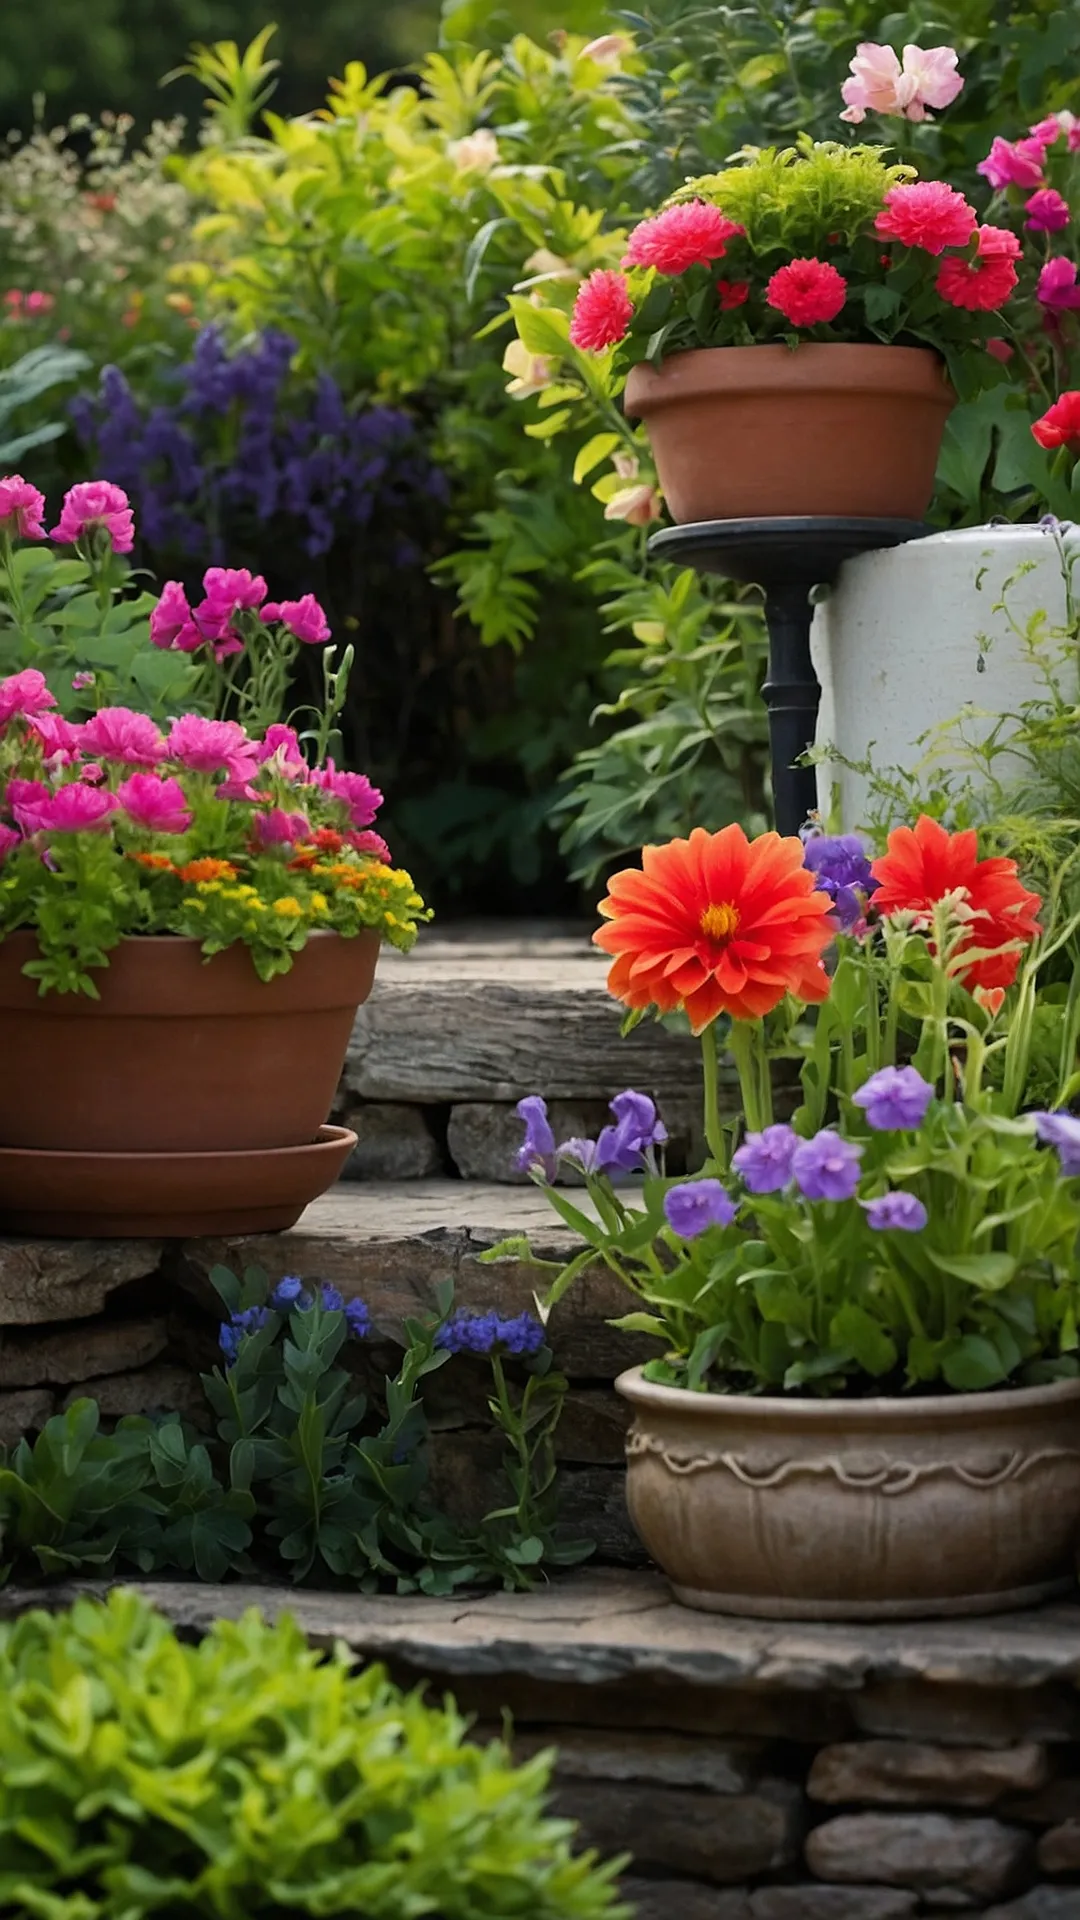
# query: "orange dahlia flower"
{"points": [[924, 863], [717, 924], [207, 868]]}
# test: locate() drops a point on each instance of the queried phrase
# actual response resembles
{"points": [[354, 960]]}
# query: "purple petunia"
{"points": [[466, 1332], [695, 1208], [537, 1150], [625, 1147], [765, 1159], [896, 1213], [841, 867], [1061, 1130], [895, 1099], [827, 1167]]}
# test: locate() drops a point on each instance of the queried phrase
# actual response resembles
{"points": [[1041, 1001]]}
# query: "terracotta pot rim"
{"points": [[174, 940], [327, 1138], [804, 376], [886, 1410]]}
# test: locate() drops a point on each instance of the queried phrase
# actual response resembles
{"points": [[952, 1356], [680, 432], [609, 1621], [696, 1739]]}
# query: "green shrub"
{"points": [[251, 1775]]}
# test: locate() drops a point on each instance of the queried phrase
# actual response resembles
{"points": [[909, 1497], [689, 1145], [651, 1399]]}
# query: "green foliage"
{"points": [[791, 199], [27, 380], [250, 1774], [308, 1475]]}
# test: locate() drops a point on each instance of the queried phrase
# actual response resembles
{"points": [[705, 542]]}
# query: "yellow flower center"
{"points": [[720, 922]]}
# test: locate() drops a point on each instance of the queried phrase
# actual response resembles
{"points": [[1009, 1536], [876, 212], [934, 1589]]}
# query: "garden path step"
{"points": [[491, 1013]]}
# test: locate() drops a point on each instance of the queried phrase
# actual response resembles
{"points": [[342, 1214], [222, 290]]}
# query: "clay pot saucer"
{"points": [[166, 1196]]}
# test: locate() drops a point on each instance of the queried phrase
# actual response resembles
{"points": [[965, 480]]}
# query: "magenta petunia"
{"points": [[1056, 289], [118, 733], [208, 746], [26, 799], [9, 840], [276, 828], [75, 809], [228, 591], [172, 624], [93, 504], [156, 803], [281, 744], [304, 618], [354, 789], [1047, 211], [60, 739], [1014, 163]]}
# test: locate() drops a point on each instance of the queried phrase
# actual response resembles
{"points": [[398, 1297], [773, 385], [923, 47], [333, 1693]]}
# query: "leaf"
{"points": [[973, 1364], [870, 1344], [547, 429], [478, 246], [592, 453], [987, 1271]]}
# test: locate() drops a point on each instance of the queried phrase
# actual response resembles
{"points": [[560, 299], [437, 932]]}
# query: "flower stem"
{"points": [[748, 1066], [714, 1133]]}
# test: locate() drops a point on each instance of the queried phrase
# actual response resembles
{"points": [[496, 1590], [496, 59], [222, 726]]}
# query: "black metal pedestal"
{"points": [[787, 558]]}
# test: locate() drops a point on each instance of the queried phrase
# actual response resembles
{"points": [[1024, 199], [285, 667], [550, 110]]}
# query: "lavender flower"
{"points": [[638, 1129], [538, 1147], [701, 1204], [286, 1293], [484, 1332], [232, 1333], [827, 1167], [765, 1159], [895, 1099], [1061, 1130], [896, 1213], [841, 868]]}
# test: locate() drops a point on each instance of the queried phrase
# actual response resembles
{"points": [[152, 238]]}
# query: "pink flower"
{"points": [[37, 302], [733, 293], [371, 843], [80, 681], [688, 235], [1056, 124], [1013, 163], [228, 590], [806, 292], [1056, 289], [21, 508], [926, 214], [1058, 427], [354, 789], [280, 829], [116, 733], [305, 618], [60, 740], [981, 284], [96, 503], [26, 799], [241, 770], [171, 623], [75, 809], [1047, 211], [281, 745], [1000, 350], [603, 311], [25, 693], [996, 243], [880, 84], [207, 746], [9, 840], [155, 802]]}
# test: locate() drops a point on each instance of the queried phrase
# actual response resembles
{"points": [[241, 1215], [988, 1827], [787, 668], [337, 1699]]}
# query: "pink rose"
{"points": [[75, 809], [21, 509], [116, 733], [1014, 163], [304, 618], [881, 84], [156, 803], [25, 693], [96, 503]]}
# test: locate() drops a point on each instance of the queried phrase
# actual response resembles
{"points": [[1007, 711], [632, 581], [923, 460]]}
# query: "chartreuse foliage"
{"points": [[250, 1775]]}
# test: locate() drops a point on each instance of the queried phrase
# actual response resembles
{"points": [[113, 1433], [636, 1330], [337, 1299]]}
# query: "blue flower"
{"points": [[332, 1300], [357, 1319], [827, 1167], [1061, 1130], [466, 1332], [895, 1100], [286, 1293], [232, 1333], [896, 1213], [701, 1204]]}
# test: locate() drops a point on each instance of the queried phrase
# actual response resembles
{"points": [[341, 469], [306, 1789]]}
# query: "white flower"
{"points": [[477, 153], [637, 505], [610, 50], [550, 265], [532, 371]]}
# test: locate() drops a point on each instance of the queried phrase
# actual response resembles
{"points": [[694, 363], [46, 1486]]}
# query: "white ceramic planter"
{"points": [[911, 637]]}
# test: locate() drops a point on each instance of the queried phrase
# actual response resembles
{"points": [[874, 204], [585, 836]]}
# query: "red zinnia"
{"points": [[979, 285], [807, 291], [1060, 424], [924, 863], [688, 235], [717, 924], [602, 311], [733, 293], [926, 214]]}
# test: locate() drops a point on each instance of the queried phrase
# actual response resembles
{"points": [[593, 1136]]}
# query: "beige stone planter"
{"points": [[857, 1509]]}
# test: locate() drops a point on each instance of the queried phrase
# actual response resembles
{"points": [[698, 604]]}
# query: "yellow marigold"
{"points": [[319, 903], [209, 886], [207, 869], [199, 905], [289, 908]]}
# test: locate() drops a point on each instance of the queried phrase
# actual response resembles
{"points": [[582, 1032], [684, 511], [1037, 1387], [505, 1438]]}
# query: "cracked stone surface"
{"points": [[45, 1280], [604, 1625], [909, 1774], [929, 1852]]}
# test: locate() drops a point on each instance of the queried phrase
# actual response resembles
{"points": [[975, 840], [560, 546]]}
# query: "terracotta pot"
{"points": [[179, 1055], [165, 1196], [747, 432], [857, 1509]]}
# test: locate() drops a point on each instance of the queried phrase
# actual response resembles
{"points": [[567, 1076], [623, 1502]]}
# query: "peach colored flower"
{"points": [[532, 372], [477, 153], [880, 83]]}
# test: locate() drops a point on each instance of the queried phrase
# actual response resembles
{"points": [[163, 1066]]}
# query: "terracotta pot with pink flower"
{"points": [[790, 326], [190, 914]]}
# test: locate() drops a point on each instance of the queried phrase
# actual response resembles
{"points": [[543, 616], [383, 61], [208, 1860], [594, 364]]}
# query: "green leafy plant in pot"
{"points": [[866, 1397]]}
